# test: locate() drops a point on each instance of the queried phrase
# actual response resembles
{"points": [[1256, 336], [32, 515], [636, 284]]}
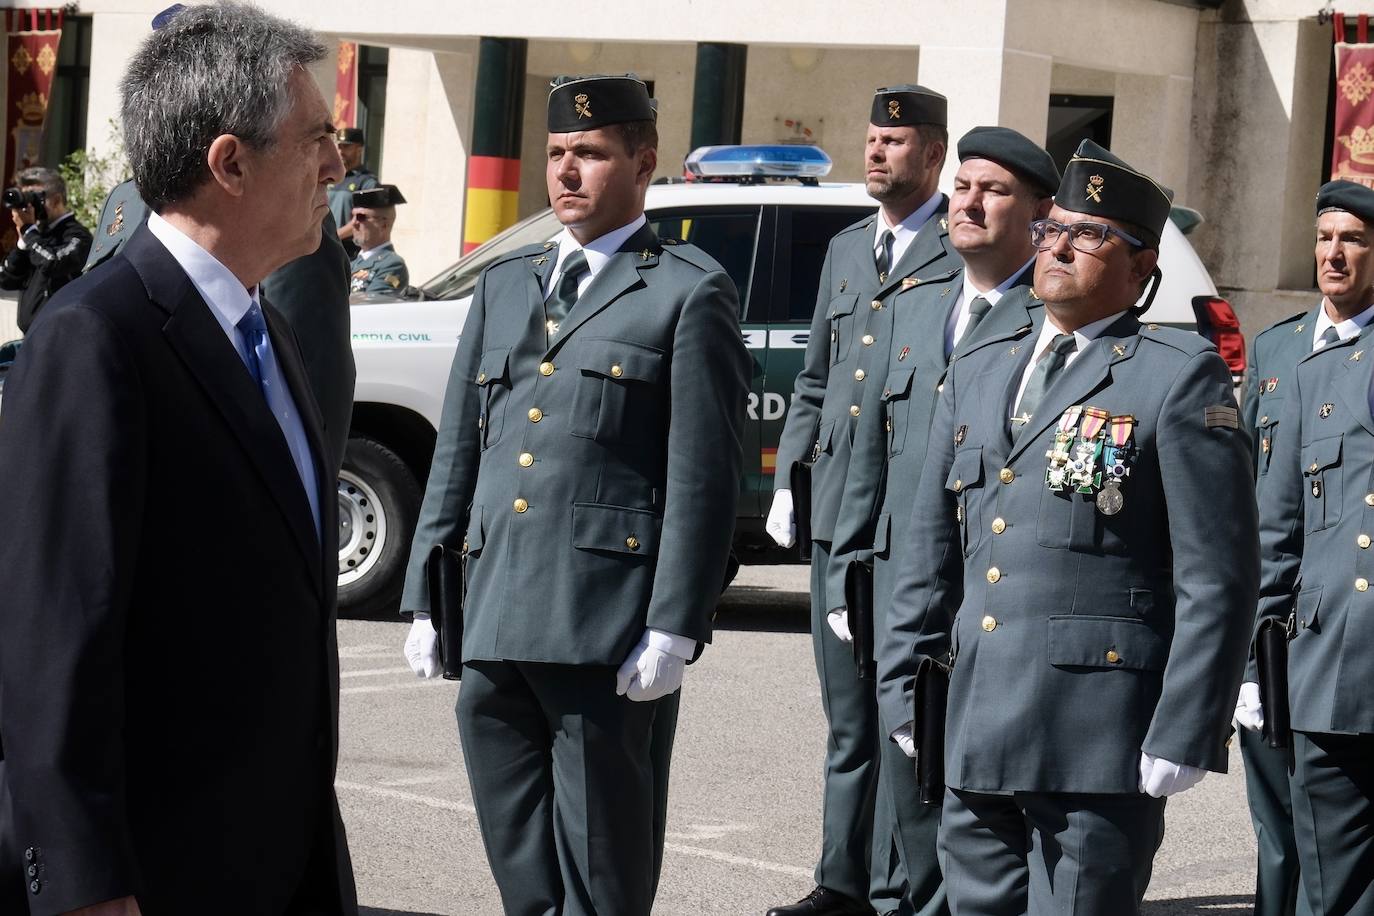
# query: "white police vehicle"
{"points": [[762, 212]]}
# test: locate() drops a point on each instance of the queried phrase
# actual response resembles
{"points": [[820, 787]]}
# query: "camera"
{"points": [[18, 199]]}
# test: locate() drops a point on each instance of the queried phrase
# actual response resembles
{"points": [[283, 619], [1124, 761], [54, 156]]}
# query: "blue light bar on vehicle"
{"points": [[780, 161]]}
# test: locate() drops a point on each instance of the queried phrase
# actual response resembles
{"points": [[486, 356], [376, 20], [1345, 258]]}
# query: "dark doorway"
{"points": [[1075, 118]]}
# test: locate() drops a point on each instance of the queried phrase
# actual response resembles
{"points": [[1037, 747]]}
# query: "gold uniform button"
{"points": [[958, 485], [868, 340], [854, 410], [1361, 584], [521, 506], [877, 304], [1006, 475], [617, 372], [546, 368], [526, 459], [998, 526], [481, 377], [994, 574], [989, 623], [1112, 656], [535, 415], [632, 542], [859, 375], [1264, 419], [940, 387], [1369, 499], [1312, 469], [1363, 541]]}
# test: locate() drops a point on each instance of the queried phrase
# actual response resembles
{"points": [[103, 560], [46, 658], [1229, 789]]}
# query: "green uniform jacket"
{"points": [[594, 480], [1274, 354], [848, 335], [384, 272], [123, 212], [1080, 638], [1317, 511]]}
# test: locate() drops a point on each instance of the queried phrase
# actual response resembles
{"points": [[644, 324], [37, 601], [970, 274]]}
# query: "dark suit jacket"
{"points": [[169, 663]]}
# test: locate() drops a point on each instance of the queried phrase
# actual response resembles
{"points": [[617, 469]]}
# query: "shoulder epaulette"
{"points": [[1188, 342], [524, 251], [691, 254], [1282, 323]]}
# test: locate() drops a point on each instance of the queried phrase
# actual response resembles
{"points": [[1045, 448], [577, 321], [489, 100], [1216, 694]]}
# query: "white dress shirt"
{"points": [[598, 253], [957, 323], [904, 233], [367, 255], [1048, 332], [1350, 327], [229, 301]]}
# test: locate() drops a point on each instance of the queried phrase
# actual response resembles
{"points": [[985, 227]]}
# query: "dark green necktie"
{"points": [[1329, 336], [883, 258], [564, 297], [977, 309], [1050, 367]]}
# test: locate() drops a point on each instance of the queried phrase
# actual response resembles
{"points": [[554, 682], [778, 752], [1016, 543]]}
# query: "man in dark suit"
{"points": [[158, 420], [1063, 559], [866, 265], [587, 465]]}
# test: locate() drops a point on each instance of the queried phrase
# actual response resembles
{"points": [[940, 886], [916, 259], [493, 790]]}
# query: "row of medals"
{"points": [[1092, 454]]}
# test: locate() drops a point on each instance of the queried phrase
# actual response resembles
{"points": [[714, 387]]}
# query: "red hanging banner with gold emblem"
{"points": [[32, 60], [1352, 152], [346, 86]]}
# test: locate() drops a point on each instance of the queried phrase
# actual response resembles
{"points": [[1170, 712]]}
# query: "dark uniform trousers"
{"points": [[859, 850], [1333, 819], [1274, 356]]}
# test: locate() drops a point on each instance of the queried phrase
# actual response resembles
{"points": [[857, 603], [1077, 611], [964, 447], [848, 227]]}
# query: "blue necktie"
{"points": [[254, 330]]}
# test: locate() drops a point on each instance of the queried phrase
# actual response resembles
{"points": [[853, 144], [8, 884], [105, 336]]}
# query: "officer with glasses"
{"points": [[1062, 566]]}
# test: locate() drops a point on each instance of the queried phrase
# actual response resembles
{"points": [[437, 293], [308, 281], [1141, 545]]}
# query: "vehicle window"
{"points": [[461, 279], [812, 231], [729, 236]]}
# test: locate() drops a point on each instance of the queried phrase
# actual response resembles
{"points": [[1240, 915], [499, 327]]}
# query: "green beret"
{"points": [[1014, 151], [588, 102], [1100, 184], [350, 135], [384, 195], [906, 106], [1349, 196]]}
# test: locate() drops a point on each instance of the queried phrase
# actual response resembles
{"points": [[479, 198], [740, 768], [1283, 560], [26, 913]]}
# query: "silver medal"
{"points": [[1109, 498]]}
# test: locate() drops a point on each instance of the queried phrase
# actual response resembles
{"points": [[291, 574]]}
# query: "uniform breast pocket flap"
{"points": [[967, 469], [493, 381], [1081, 641], [841, 308], [613, 372], [1266, 428], [896, 403], [1321, 468], [476, 533], [1306, 609], [615, 529]]}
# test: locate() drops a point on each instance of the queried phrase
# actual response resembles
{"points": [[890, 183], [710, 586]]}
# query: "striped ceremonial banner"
{"points": [[31, 56], [346, 86], [768, 460], [493, 198], [1352, 153]]}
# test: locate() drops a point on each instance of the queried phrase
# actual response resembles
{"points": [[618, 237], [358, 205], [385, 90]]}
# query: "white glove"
{"points": [[839, 623], [1160, 777], [1249, 710], [422, 647], [905, 740], [649, 672], [782, 524]]}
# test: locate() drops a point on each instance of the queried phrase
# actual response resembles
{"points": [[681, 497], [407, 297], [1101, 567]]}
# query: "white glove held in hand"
{"points": [[1160, 777], [782, 524], [1249, 711], [422, 647], [904, 739], [649, 673], [839, 623]]}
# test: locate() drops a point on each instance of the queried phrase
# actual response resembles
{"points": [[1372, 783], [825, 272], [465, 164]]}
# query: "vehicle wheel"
{"points": [[379, 501]]}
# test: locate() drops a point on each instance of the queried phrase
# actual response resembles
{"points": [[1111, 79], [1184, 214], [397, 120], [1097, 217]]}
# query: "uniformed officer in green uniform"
{"points": [[859, 869], [587, 463], [358, 177], [1315, 498], [1004, 182], [377, 268], [1083, 549]]}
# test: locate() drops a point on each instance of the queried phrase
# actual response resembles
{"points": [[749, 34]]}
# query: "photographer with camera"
{"points": [[52, 244]]}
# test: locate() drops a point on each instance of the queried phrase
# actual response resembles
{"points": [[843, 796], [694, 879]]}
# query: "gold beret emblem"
{"points": [[1095, 188], [894, 109], [582, 105], [393, 281]]}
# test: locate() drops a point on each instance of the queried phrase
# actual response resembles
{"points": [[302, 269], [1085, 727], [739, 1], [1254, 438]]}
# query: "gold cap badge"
{"points": [[894, 109], [1095, 188], [582, 105]]}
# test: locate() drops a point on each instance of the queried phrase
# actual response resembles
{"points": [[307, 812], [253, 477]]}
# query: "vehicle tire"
{"points": [[379, 502]]}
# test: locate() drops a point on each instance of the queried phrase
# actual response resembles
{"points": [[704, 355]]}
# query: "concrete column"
{"points": [[493, 193], [429, 102], [1152, 126], [718, 94], [988, 86], [114, 38]]}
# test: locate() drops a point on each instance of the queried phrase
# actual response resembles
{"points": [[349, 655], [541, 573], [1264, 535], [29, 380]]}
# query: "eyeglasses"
{"points": [[1085, 236]]}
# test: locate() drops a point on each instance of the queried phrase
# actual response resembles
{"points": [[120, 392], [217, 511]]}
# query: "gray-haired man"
{"points": [[158, 420]]}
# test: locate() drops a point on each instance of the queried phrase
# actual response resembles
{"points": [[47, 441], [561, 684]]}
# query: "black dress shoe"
{"points": [[823, 902]]}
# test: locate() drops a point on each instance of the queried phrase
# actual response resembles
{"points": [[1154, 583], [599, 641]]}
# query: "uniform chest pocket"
{"points": [[493, 385], [841, 313], [1069, 520], [897, 406], [965, 481], [1266, 427], [617, 382], [1321, 470]]}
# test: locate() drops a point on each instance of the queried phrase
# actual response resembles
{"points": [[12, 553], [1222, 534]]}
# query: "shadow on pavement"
{"points": [[373, 911], [767, 610], [1199, 906]]}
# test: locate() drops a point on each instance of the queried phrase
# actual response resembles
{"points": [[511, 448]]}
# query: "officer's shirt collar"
{"points": [[904, 232], [1083, 336], [1350, 327], [598, 252], [229, 301], [972, 292], [957, 323], [366, 255]]}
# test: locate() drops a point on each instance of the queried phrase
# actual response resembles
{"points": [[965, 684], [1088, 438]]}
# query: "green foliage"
{"points": [[90, 176]]}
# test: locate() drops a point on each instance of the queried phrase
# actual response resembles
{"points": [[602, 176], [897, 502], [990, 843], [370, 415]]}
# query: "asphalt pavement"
{"points": [[744, 824]]}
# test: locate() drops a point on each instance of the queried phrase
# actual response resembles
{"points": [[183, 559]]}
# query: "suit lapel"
{"points": [[541, 265], [200, 342], [938, 297], [930, 245], [1352, 385], [620, 274], [1013, 314]]}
